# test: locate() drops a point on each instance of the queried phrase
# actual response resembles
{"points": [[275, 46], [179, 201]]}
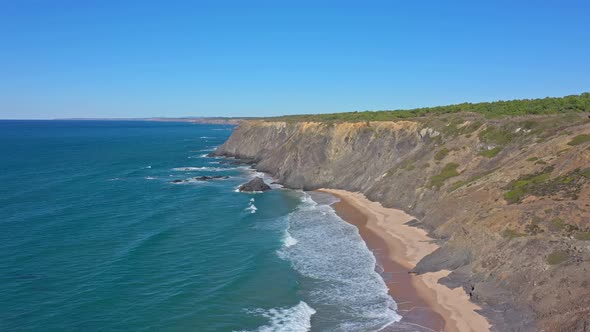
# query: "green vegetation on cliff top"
{"points": [[549, 105]]}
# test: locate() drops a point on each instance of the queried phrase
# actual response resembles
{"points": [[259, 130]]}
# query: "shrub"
{"points": [[491, 153], [511, 234], [467, 130], [558, 223], [408, 165], [496, 136], [449, 171], [579, 139], [514, 195], [461, 183], [457, 185], [557, 257], [583, 236], [441, 154], [519, 188]]}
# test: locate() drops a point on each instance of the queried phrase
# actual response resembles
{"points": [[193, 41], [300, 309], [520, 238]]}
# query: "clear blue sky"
{"points": [[253, 58]]}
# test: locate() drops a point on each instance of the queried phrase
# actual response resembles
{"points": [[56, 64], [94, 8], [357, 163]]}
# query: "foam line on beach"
{"points": [[342, 279], [407, 245]]}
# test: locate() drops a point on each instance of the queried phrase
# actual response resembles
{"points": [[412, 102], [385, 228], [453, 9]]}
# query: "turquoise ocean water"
{"points": [[94, 236]]}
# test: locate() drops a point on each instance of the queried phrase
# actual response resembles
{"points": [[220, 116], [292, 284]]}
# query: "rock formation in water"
{"points": [[201, 178], [256, 184]]}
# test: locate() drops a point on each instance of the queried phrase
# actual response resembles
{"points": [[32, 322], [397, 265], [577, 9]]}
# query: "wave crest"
{"points": [[204, 168], [294, 319]]}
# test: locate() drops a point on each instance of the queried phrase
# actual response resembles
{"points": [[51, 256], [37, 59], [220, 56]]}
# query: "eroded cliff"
{"points": [[508, 198]]}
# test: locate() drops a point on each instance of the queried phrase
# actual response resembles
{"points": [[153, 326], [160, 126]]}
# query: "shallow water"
{"points": [[94, 236]]}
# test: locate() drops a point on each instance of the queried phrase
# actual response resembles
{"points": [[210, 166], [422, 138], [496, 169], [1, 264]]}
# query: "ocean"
{"points": [[94, 235]]}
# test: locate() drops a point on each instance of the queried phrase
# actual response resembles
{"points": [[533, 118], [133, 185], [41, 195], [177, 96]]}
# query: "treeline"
{"points": [[573, 103]]}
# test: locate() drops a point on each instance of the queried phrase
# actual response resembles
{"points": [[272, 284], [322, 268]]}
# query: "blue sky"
{"points": [[259, 58]]}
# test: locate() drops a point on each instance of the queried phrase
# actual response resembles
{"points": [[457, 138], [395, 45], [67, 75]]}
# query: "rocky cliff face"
{"points": [[508, 198]]}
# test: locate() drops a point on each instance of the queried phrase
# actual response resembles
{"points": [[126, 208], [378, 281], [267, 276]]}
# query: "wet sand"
{"points": [[423, 303]]}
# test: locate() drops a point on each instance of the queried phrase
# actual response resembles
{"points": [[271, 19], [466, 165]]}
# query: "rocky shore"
{"points": [[507, 199]]}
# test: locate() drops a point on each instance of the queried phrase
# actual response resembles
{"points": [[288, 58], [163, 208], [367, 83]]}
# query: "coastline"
{"points": [[421, 300]]}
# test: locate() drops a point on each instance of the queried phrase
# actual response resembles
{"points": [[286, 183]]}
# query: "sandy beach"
{"points": [[422, 301]]}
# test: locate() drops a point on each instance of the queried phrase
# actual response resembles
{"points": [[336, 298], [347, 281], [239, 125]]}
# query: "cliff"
{"points": [[508, 198]]}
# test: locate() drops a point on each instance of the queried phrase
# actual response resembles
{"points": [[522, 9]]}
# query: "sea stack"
{"points": [[256, 184]]}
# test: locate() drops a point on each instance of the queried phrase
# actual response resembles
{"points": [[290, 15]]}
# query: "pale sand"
{"points": [[407, 245]]}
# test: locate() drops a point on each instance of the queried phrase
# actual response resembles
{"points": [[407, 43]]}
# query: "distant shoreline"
{"points": [[221, 121]]}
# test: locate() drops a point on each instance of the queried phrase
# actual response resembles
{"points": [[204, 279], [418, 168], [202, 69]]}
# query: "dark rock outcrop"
{"points": [[214, 177], [201, 178], [256, 184]]}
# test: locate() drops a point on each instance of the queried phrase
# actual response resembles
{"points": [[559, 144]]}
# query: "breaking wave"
{"points": [[293, 319], [204, 168], [251, 207], [338, 270], [288, 240]]}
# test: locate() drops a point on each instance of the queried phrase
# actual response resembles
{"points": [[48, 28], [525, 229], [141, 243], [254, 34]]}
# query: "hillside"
{"points": [[507, 196]]}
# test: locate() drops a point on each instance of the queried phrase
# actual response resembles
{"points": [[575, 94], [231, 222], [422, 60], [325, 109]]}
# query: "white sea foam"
{"points": [[150, 178], [210, 169], [205, 137], [341, 278], [203, 155], [252, 208], [294, 319], [189, 181], [288, 240], [255, 174]]}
